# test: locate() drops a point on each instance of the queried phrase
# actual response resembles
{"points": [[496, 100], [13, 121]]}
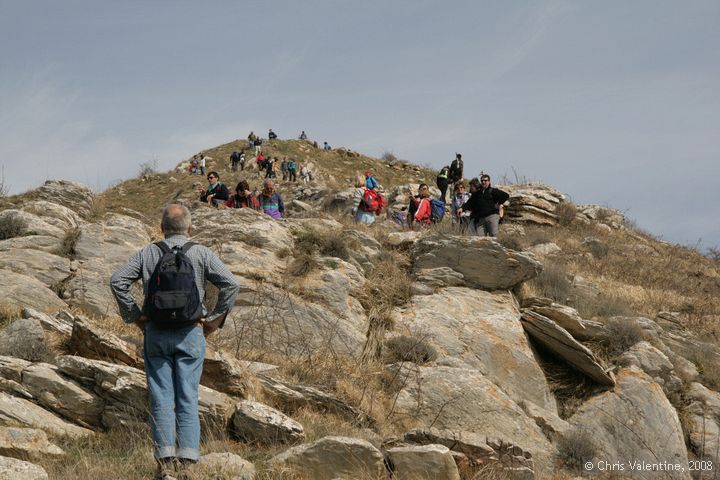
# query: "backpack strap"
{"points": [[187, 247], [163, 247]]}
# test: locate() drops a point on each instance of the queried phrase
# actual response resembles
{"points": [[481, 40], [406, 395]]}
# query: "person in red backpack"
{"points": [[372, 203], [420, 209]]}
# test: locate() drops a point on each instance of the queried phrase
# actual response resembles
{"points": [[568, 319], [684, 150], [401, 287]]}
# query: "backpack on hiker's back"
{"points": [[437, 209], [373, 201], [173, 299]]}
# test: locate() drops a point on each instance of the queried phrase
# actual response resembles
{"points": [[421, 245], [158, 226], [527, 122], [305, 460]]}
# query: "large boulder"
{"points": [[240, 225], [34, 225], [634, 421], [60, 324], [113, 240], [25, 291], [61, 395], [274, 320], [482, 262], [12, 468], [425, 462], [483, 330], [561, 344], [72, 195], [567, 317], [464, 399], [704, 435], [533, 203], [24, 338], [48, 268], [255, 422], [223, 465], [91, 341], [333, 457], [20, 412], [53, 213], [26, 444]]}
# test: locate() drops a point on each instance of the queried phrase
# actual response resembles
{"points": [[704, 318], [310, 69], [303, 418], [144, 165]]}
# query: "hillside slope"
{"points": [[573, 338]]}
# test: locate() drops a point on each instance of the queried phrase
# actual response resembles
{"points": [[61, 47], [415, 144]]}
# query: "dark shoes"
{"points": [[165, 469], [183, 469]]}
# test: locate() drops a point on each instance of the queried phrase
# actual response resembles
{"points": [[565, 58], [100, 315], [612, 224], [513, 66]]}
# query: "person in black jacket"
{"points": [[484, 205], [216, 193]]}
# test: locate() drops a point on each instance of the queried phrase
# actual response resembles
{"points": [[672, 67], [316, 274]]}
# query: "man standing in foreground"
{"points": [[484, 206], [174, 350]]}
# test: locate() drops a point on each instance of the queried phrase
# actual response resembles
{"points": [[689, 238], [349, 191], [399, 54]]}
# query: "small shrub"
{"points": [[596, 247], [553, 283], [708, 365], [510, 240], [566, 213], [388, 157], [67, 247], [621, 334], [537, 237], [603, 215], [283, 253], [8, 312], [98, 208], [713, 253], [576, 448], [603, 306], [12, 226], [148, 168], [332, 264], [327, 243], [302, 265], [405, 348]]}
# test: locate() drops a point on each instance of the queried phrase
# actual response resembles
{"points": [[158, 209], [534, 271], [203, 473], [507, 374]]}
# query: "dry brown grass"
{"points": [[8, 312]]}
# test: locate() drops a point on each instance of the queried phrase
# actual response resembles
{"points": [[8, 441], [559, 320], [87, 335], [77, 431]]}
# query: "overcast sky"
{"points": [[612, 102]]}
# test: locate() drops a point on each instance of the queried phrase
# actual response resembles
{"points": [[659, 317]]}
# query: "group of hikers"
{"points": [[475, 205], [480, 210], [269, 201]]}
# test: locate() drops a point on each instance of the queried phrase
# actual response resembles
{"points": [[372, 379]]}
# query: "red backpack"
{"points": [[373, 201]]}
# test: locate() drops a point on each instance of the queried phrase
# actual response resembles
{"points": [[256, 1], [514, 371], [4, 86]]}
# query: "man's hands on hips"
{"points": [[141, 322], [212, 326]]}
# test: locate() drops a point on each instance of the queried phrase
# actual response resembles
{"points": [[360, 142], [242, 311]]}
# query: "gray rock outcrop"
{"points": [[425, 462], [255, 422], [561, 344], [482, 262], [12, 469], [333, 457]]}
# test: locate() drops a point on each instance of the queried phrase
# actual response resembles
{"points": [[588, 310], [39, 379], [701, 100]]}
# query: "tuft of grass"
{"points": [[69, 241], [302, 265], [706, 360], [407, 348], [622, 333], [8, 312], [283, 253], [553, 283], [566, 213], [388, 157], [326, 243], [12, 226], [576, 448]]}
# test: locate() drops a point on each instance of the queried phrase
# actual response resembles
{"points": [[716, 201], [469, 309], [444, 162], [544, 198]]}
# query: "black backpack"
{"points": [[173, 299]]}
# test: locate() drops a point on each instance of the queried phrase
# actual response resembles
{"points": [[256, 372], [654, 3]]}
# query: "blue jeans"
{"points": [[173, 365]]}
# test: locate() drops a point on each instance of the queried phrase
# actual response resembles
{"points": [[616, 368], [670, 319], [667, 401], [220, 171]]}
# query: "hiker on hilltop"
{"points": [[257, 143], [272, 135], [271, 202], [420, 208], [303, 136], [326, 146], [358, 193], [372, 203], [216, 193], [174, 322], [459, 198], [269, 167], [292, 170], [242, 161], [284, 169], [484, 207], [305, 173], [234, 159], [455, 174], [243, 197], [202, 164], [442, 181]]}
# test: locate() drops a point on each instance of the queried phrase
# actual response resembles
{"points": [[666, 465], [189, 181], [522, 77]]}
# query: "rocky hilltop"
{"points": [[573, 339]]}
